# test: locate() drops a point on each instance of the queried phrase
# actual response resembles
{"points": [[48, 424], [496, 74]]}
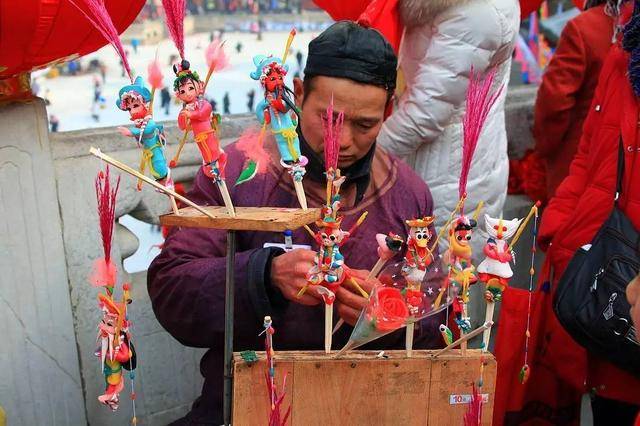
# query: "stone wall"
{"points": [[48, 240]]}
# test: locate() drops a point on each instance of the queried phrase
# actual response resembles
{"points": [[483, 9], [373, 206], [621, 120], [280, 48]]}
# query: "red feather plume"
{"points": [[96, 12]]}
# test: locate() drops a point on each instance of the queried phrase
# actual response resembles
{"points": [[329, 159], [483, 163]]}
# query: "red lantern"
{"points": [[37, 33]]}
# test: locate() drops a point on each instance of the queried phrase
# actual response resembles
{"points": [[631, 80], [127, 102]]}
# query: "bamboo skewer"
{"points": [[486, 326], [104, 157]]}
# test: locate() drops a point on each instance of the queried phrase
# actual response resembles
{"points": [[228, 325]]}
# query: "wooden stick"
{"points": [[328, 322], [302, 198], [446, 226], [376, 268], [409, 338], [306, 227], [174, 160], [222, 185], [476, 214], [135, 173], [534, 210], [339, 324], [292, 34], [354, 283], [174, 206], [488, 317], [465, 338]]}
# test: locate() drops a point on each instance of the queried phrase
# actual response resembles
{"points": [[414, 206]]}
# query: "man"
{"points": [[355, 67]]}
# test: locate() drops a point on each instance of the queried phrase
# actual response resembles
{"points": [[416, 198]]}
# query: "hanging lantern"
{"points": [[39, 33]]}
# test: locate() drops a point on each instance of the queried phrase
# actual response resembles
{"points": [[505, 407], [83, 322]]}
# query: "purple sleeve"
{"points": [[186, 282]]}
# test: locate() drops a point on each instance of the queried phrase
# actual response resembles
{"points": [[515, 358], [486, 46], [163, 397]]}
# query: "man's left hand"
{"points": [[349, 302]]}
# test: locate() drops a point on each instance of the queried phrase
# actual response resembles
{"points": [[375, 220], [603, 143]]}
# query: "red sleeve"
{"points": [[203, 112], [560, 208], [182, 121], [557, 93]]}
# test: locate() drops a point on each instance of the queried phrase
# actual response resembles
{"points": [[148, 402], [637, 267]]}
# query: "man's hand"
{"points": [[349, 302], [289, 275]]}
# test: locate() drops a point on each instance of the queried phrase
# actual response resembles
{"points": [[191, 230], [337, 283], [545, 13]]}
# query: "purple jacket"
{"points": [[186, 282]]}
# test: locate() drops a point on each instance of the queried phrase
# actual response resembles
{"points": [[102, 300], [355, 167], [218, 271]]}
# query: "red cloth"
{"points": [[581, 205], [382, 15], [567, 89], [542, 398], [529, 6]]}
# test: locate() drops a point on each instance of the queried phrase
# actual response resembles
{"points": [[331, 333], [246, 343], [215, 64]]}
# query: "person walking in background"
{"points": [[134, 44], [251, 95], [226, 103], [165, 99], [568, 86], [443, 41], [54, 122], [299, 59]]}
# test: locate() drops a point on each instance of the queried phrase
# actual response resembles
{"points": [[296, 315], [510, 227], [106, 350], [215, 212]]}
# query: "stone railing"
{"points": [[48, 242]]}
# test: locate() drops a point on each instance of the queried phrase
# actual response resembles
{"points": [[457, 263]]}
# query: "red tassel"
{"points": [[332, 128], [479, 103], [99, 17], [473, 416], [174, 11], [106, 197]]}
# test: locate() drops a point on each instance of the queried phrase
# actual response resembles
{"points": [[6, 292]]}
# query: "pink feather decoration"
{"points": [[174, 11], [217, 59], [103, 273], [479, 103], [251, 144], [473, 416], [154, 75], [332, 127], [99, 17]]}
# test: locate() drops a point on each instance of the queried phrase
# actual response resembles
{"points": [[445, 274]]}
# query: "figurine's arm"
{"points": [[122, 355], [182, 120], [203, 112], [262, 112]]}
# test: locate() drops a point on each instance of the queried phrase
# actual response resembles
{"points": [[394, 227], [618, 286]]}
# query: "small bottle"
{"points": [[288, 240]]}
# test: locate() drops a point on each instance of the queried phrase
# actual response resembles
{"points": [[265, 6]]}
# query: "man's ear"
{"points": [[298, 89]]}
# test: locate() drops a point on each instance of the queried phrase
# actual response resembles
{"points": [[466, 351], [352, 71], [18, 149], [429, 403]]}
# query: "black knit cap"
{"points": [[349, 50]]}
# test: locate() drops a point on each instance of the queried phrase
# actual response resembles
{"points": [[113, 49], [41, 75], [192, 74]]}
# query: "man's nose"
{"points": [[346, 137]]}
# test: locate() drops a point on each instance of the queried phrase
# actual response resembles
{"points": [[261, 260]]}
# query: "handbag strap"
{"points": [[620, 173]]}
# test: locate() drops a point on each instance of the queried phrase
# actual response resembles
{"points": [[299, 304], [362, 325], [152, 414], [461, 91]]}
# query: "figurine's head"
{"points": [[110, 315], [134, 98], [501, 229], [460, 236], [330, 232], [419, 230], [187, 85], [270, 72]]}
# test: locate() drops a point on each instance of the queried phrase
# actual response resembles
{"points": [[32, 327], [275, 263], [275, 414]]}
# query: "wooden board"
{"points": [[360, 389], [273, 219]]}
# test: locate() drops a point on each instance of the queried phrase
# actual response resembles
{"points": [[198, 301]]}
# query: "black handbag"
{"points": [[590, 301]]}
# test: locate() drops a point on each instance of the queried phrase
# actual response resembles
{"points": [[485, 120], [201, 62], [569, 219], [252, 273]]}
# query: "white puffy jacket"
{"points": [[443, 40]]}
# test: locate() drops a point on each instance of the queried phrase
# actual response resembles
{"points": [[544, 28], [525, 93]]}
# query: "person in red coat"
{"points": [[568, 86], [582, 203]]}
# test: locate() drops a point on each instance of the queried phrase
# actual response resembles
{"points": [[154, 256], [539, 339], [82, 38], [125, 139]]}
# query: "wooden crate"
{"points": [[360, 389]]}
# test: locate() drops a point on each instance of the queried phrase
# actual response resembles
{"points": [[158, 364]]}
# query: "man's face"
{"points": [[363, 106]]}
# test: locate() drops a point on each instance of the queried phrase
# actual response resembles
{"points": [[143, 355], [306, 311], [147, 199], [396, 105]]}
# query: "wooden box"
{"points": [[361, 389]]}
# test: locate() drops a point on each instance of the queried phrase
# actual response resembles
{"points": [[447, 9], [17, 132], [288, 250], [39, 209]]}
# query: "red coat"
{"points": [[567, 89], [582, 203]]}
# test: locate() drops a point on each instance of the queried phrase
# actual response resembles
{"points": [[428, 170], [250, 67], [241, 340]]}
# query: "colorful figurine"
{"points": [[114, 349], [417, 258], [276, 398], [196, 116], [494, 270], [329, 271], [279, 112], [461, 270], [135, 99]]}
